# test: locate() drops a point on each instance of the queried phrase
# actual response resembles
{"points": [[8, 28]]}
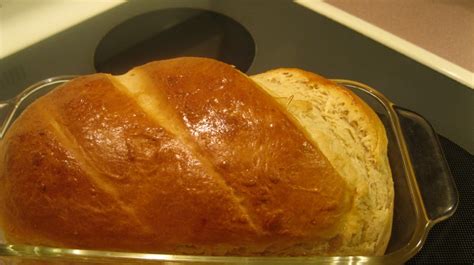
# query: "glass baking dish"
{"points": [[425, 193]]}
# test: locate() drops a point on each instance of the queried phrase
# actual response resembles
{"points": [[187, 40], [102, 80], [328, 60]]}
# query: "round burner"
{"points": [[175, 32]]}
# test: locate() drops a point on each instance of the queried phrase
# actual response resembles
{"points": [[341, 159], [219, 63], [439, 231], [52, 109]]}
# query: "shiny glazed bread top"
{"points": [[178, 156]]}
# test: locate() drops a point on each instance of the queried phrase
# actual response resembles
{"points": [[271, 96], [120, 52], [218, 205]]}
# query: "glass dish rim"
{"points": [[415, 243]]}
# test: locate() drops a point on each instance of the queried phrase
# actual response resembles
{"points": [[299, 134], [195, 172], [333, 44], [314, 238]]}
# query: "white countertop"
{"points": [[25, 22], [393, 38]]}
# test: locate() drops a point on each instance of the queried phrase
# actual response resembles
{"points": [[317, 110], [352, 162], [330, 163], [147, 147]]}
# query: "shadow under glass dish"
{"points": [[175, 32]]}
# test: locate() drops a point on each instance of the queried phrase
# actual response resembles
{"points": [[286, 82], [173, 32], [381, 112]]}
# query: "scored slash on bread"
{"points": [[190, 156]]}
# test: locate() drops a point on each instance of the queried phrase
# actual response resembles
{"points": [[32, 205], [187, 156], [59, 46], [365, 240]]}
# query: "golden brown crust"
{"points": [[147, 203], [222, 167]]}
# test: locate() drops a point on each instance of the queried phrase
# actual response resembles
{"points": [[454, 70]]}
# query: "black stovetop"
{"points": [[256, 36]]}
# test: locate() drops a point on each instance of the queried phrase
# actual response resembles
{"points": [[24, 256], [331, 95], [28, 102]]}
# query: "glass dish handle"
{"points": [[435, 182]]}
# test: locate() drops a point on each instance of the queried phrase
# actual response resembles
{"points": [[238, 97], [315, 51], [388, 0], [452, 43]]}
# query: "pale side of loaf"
{"points": [[352, 137], [190, 156]]}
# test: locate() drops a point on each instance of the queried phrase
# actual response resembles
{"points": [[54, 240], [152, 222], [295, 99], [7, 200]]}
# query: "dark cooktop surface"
{"points": [[451, 241], [174, 32], [256, 36]]}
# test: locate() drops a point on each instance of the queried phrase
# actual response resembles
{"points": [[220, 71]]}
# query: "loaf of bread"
{"points": [[191, 156]]}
